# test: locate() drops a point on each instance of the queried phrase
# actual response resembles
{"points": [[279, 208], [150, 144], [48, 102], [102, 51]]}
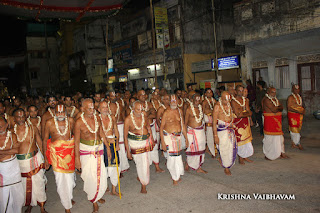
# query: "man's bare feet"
{"points": [[102, 201], [158, 169], [248, 160], [284, 156], [121, 175], [300, 147], [241, 161], [227, 171], [138, 179], [28, 210], [95, 207], [186, 168], [143, 189], [212, 156], [73, 202], [114, 192], [42, 210], [200, 170], [267, 158], [293, 145], [175, 182], [67, 211]]}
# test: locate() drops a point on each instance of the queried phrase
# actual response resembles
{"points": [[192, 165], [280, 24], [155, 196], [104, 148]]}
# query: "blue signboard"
{"points": [[229, 62], [122, 54]]}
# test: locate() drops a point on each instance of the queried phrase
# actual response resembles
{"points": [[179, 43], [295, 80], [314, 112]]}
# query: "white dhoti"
{"points": [[93, 171], [33, 178], [140, 146], [65, 184], [111, 164], [273, 146], [295, 137], [227, 144], [154, 154], [11, 189], [197, 145], [209, 134], [245, 150], [174, 160], [124, 163]]}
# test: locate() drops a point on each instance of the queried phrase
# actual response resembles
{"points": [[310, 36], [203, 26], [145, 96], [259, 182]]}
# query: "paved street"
{"points": [[299, 175]]}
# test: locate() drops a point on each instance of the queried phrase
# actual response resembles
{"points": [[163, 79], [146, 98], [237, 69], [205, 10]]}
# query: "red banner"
{"points": [[272, 123], [295, 121]]}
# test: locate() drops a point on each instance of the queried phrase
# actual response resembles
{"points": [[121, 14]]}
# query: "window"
{"points": [[282, 77], [317, 77], [309, 77], [34, 75], [306, 78]]}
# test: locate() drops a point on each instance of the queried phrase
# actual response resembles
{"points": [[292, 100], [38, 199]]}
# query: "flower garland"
{"points": [[134, 123], [300, 99], [25, 134], [6, 116], [154, 105], [57, 126], [198, 119], [276, 103], [122, 102], [117, 111], [49, 110], [228, 104], [180, 105], [146, 107], [6, 140], [73, 110], [39, 121], [109, 126], [209, 102], [243, 99], [96, 124]]}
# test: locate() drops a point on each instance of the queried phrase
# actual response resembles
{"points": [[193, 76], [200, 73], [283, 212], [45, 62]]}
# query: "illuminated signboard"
{"points": [[229, 62]]}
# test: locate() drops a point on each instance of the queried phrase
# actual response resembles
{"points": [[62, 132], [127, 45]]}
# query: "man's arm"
{"points": [[184, 130], [104, 138], [158, 116], [214, 123], [38, 140], [15, 147], [116, 132], [186, 120], [163, 123], [43, 122], [125, 137], [77, 131]]}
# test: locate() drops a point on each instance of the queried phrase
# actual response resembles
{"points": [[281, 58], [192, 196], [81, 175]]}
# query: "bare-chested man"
{"points": [[223, 131], [60, 154], [171, 129], [117, 110], [17, 103], [273, 141], [139, 142], [34, 118], [196, 135], [110, 128], [3, 114], [72, 111], [126, 98], [129, 108], [51, 103], [97, 99], [207, 106], [296, 111], [88, 135], [164, 105], [178, 93], [11, 188], [31, 161], [151, 116], [241, 108]]}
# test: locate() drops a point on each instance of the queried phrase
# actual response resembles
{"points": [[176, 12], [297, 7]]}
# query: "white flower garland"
{"points": [[146, 107], [276, 103], [300, 99], [6, 116], [117, 111], [199, 119], [180, 105], [50, 112], [25, 134], [220, 102], [243, 99], [73, 110], [122, 102], [6, 140], [134, 123], [109, 126], [57, 126], [96, 124], [39, 121], [211, 106], [163, 106], [154, 105]]}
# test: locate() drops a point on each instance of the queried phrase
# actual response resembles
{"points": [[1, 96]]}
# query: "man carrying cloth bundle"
{"points": [[223, 131], [196, 135], [241, 108], [139, 142], [89, 151], [109, 126], [295, 116], [60, 154], [273, 141], [31, 161], [171, 129]]}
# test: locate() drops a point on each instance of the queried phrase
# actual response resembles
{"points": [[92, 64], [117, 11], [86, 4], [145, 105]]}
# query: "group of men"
{"points": [[97, 138]]}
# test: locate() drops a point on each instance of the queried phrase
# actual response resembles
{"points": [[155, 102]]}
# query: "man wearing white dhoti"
{"points": [[11, 198], [31, 161], [224, 135], [89, 153], [195, 134], [171, 129], [59, 152], [139, 142]]}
